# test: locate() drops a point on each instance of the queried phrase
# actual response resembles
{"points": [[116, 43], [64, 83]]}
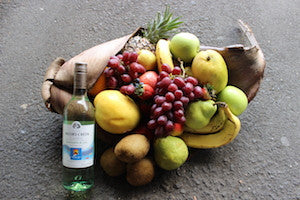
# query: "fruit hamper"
{"points": [[158, 94]]}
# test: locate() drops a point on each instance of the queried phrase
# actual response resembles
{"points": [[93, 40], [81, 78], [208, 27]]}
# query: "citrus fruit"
{"points": [[98, 86], [115, 112], [147, 59]]}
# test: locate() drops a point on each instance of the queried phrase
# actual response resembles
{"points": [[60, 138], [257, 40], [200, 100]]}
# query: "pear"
{"points": [[210, 68], [199, 113]]}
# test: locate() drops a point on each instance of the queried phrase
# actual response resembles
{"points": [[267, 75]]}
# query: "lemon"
{"points": [[147, 59], [170, 152], [116, 112]]}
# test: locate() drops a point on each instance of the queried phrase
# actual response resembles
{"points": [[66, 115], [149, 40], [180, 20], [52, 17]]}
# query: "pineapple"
{"points": [[138, 43], [161, 27]]}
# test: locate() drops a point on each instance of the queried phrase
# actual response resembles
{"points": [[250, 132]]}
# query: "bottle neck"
{"points": [[79, 84], [79, 92]]}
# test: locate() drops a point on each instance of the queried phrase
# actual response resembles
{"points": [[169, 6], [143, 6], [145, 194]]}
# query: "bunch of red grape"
{"points": [[172, 94], [123, 70]]}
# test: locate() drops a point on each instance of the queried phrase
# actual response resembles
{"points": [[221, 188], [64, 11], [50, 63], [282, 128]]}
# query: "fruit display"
{"points": [[158, 93]]}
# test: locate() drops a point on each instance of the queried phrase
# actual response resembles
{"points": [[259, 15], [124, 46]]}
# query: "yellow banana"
{"points": [[224, 136], [163, 54], [216, 123]]}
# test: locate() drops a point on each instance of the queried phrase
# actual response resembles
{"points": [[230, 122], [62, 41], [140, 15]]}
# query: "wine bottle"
{"points": [[78, 136]]}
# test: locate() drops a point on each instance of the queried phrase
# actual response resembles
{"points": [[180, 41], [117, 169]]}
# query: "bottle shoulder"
{"points": [[79, 108]]}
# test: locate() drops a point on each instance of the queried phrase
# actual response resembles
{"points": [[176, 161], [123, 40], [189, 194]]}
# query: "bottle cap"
{"points": [[80, 67]]}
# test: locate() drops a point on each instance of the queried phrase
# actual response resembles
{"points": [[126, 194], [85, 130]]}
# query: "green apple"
{"points": [[185, 46], [235, 98]]}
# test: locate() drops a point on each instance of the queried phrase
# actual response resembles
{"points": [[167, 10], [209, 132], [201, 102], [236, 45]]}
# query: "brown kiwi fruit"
{"points": [[132, 148], [111, 164], [141, 172]]}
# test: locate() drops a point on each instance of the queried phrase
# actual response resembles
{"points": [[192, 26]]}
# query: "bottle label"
{"points": [[78, 144]]}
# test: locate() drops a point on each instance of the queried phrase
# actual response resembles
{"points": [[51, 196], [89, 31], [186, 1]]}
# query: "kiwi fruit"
{"points": [[141, 172], [132, 148], [111, 164]]}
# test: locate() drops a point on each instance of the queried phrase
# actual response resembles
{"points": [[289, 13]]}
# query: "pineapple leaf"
{"points": [[162, 26]]}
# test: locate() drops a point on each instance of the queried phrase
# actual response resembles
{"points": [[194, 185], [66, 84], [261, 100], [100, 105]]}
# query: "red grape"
{"points": [[170, 97], [125, 56], [127, 89], [130, 89], [198, 92], [191, 96], [166, 68], [184, 100], [155, 95], [161, 91], [165, 82], [157, 112], [152, 124], [178, 94], [133, 74], [121, 69], [109, 72], [181, 120], [192, 80], [126, 78], [133, 57], [123, 89], [141, 69], [188, 88], [177, 105], [112, 82], [162, 75], [134, 66], [172, 87], [166, 106], [179, 82], [159, 100], [169, 126], [113, 63], [120, 56], [162, 120], [176, 71], [153, 107], [178, 113]]}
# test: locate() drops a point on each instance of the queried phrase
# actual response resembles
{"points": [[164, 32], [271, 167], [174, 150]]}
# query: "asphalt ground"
{"points": [[261, 163]]}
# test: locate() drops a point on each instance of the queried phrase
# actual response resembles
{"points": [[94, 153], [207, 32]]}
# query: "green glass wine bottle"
{"points": [[78, 136]]}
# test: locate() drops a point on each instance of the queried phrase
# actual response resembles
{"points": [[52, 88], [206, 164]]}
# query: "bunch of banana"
{"points": [[221, 130]]}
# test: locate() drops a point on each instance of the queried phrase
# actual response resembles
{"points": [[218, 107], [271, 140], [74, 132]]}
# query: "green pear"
{"points": [[199, 113], [209, 67]]}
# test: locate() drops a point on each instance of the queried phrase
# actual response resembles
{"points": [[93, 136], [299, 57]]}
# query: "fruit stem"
{"points": [[221, 104], [182, 67]]}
